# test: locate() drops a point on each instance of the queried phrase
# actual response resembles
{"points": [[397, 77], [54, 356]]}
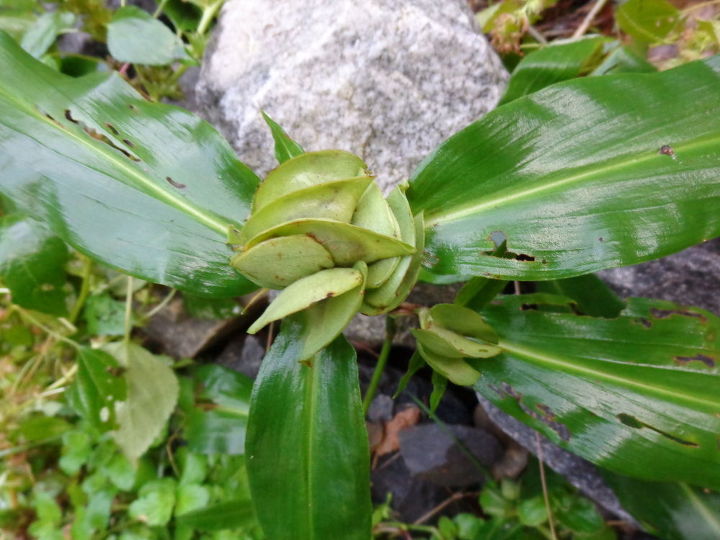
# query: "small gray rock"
{"points": [[243, 354], [691, 277], [436, 453], [386, 79], [180, 335], [381, 408]]}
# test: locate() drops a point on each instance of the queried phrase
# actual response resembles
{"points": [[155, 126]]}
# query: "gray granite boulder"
{"points": [[691, 277], [386, 79]]}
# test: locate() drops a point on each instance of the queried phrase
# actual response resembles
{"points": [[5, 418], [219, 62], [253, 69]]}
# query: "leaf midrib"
{"points": [[158, 193], [625, 161], [574, 367], [309, 411]]}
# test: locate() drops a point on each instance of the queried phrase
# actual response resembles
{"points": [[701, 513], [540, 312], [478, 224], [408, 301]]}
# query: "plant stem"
{"points": [[27, 316], [381, 362], [589, 18], [543, 482], [84, 290], [128, 309], [207, 17]]}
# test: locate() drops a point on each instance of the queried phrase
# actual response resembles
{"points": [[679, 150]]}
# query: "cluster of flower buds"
{"points": [[450, 337], [321, 230]]}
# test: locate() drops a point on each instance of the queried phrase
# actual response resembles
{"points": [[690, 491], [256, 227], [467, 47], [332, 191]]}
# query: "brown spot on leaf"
{"points": [[175, 184], [129, 143], [307, 363], [709, 362], [112, 128], [69, 116], [665, 313], [643, 322]]}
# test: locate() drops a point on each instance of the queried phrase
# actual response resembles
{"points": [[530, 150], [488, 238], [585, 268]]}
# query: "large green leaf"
{"points": [[144, 187], [554, 63], [638, 394], [586, 174], [307, 447], [32, 261], [672, 511]]}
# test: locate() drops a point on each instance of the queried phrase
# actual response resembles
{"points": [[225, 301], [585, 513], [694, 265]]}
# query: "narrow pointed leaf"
{"points": [[307, 445], [638, 394], [32, 261], [586, 174], [346, 243], [305, 170], [307, 291], [332, 200], [279, 262], [144, 187], [552, 64], [285, 147]]}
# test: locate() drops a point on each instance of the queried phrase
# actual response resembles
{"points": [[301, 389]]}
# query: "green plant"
{"points": [[586, 174]]}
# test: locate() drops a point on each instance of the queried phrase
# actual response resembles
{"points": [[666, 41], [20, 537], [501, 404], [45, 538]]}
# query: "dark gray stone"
{"points": [[243, 354], [451, 410], [412, 497], [578, 472], [386, 79], [180, 335], [381, 409], [691, 277], [440, 453]]}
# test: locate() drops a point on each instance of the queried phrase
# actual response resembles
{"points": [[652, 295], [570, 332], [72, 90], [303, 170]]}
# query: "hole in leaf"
{"points": [[709, 362], [665, 313], [634, 423]]}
